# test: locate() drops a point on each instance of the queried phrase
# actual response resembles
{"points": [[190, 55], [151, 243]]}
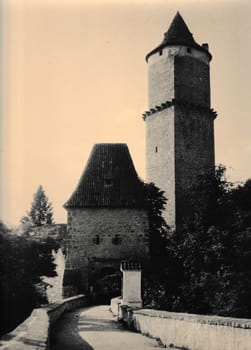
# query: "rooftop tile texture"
{"points": [[109, 180]]}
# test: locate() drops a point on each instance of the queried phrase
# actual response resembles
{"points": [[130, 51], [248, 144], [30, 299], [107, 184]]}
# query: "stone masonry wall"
{"points": [[191, 80], [55, 289], [58, 233], [160, 161], [160, 78], [194, 148], [98, 239], [180, 138], [173, 67], [55, 231], [34, 332], [193, 332]]}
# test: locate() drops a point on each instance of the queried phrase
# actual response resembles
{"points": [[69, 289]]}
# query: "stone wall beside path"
{"points": [[33, 333], [190, 331]]}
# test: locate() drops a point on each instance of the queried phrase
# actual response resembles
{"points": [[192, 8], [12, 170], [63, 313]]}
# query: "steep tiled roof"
{"points": [[109, 180], [178, 34]]}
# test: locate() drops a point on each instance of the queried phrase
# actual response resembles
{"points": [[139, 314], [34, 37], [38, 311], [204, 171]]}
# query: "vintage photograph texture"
{"points": [[125, 174]]}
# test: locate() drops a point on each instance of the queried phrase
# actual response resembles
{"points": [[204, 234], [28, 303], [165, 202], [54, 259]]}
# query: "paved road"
{"points": [[95, 328]]}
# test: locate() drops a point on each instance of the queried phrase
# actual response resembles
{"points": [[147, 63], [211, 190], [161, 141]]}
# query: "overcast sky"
{"points": [[74, 73]]}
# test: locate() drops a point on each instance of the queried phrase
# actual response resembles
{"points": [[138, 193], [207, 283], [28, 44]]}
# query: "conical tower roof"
{"points": [[178, 34], [109, 180]]}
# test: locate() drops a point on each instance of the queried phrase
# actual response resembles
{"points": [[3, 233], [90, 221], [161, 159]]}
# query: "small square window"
{"points": [[108, 182], [189, 50], [117, 240]]}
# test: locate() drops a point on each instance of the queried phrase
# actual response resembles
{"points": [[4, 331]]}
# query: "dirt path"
{"points": [[95, 328]]}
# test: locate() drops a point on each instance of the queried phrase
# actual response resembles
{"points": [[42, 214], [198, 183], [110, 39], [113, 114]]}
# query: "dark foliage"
{"points": [[23, 261], [41, 212], [162, 277], [74, 280], [106, 288], [155, 202], [208, 258]]}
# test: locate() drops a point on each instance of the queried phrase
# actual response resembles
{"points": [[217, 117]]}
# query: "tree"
{"points": [[212, 248], [208, 257], [41, 212], [23, 262], [155, 202], [155, 289]]}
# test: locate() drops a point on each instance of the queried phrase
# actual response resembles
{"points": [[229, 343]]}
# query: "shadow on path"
{"points": [[95, 328], [64, 334]]}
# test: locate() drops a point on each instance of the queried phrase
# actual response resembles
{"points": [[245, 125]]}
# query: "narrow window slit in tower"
{"points": [[160, 52], [97, 240], [156, 149], [189, 49]]}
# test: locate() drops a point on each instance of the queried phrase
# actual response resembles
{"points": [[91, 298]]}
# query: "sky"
{"points": [[73, 73]]}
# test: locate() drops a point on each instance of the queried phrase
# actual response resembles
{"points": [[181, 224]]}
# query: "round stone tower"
{"points": [[179, 121]]}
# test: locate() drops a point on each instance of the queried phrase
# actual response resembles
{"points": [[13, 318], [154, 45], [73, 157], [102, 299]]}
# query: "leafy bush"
{"points": [[23, 261], [207, 265], [106, 288]]}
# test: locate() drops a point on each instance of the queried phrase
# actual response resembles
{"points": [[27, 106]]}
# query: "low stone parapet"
{"points": [[115, 304], [55, 311], [189, 331], [33, 333]]}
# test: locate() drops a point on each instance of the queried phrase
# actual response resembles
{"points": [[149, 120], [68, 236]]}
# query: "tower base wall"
{"points": [[98, 239]]}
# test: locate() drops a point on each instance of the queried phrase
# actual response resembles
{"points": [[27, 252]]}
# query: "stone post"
{"points": [[131, 290]]}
